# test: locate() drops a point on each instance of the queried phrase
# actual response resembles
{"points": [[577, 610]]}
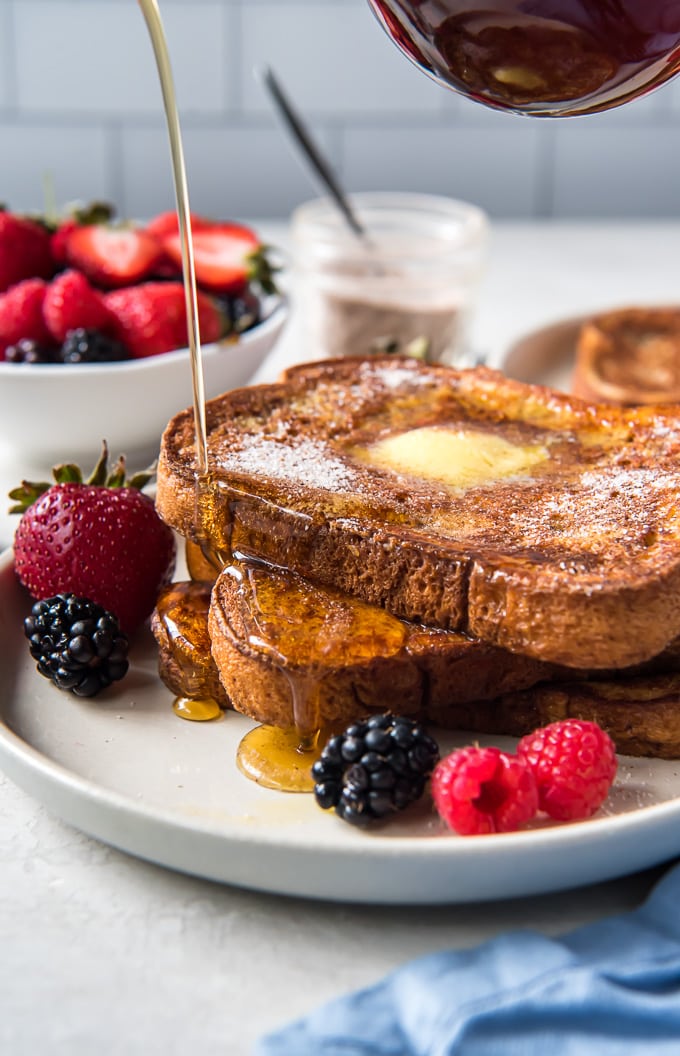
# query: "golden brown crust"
{"points": [[641, 715], [575, 562], [629, 356], [271, 657], [292, 654], [180, 626], [289, 652]]}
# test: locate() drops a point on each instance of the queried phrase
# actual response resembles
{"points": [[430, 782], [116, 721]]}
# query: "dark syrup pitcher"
{"points": [[542, 57]]}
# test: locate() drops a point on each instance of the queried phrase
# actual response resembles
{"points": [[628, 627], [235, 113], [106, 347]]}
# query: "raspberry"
{"points": [[483, 790], [574, 763]]}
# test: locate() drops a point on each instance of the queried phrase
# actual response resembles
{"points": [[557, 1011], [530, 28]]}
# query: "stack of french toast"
{"points": [[384, 534]]}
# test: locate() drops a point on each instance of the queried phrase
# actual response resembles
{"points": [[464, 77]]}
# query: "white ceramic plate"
{"points": [[123, 768]]}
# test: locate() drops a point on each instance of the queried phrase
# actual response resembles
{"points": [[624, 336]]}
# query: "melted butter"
{"points": [[196, 710], [459, 458], [279, 759]]}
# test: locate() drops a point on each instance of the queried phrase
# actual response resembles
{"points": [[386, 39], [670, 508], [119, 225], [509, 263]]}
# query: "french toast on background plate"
{"points": [[629, 356]]}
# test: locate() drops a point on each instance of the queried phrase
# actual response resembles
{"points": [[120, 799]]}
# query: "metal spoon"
{"points": [[319, 164]]}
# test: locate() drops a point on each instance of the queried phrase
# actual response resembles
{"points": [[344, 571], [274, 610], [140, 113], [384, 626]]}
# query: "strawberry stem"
{"points": [[69, 473], [116, 478], [261, 270], [26, 494], [101, 469]]}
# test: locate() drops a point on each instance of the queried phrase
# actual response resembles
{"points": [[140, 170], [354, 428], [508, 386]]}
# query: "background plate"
{"points": [[125, 769], [545, 356]]}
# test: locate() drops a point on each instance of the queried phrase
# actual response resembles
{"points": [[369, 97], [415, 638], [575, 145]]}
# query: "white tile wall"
{"points": [[95, 58], [499, 172], [79, 98]]}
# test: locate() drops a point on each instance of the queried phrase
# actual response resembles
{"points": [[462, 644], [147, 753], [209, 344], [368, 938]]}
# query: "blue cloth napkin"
{"points": [[606, 989]]}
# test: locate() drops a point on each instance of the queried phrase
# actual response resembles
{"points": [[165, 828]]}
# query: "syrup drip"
{"points": [[276, 766], [154, 25], [279, 759], [180, 625], [196, 710]]}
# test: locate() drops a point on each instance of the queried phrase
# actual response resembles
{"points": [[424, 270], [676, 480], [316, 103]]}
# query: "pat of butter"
{"points": [[458, 458]]}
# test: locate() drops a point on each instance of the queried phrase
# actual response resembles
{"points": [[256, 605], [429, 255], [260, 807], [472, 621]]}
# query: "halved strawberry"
{"points": [[152, 319], [113, 256], [227, 257], [76, 215], [168, 224]]}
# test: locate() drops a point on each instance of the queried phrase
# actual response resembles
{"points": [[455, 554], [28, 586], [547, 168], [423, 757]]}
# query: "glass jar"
{"points": [[408, 286]]}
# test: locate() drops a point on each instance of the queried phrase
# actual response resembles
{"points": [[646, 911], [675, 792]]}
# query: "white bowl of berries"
{"points": [[93, 331]]}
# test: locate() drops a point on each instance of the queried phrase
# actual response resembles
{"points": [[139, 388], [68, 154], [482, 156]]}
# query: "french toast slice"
{"points": [[291, 654], [180, 626], [640, 713], [629, 356], [459, 499]]}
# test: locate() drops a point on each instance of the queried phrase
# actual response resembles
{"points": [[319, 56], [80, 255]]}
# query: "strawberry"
{"points": [[21, 314], [77, 216], [24, 250], [113, 256], [59, 241], [168, 224], [227, 257], [71, 303], [100, 539], [152, 317]]}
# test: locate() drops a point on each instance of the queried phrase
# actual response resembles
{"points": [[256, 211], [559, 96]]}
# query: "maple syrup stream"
{"points": [[154, 24], [276, 758]]}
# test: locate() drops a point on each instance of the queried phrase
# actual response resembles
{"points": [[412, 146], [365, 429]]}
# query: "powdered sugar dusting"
{"points": [[629, 483], [303, 461], [395, 377], [595, 508]]}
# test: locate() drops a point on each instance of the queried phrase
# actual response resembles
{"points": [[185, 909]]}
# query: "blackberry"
{"points": [[92, 346], [77, 643], [374, 768], [243, 310], [29, 351]]}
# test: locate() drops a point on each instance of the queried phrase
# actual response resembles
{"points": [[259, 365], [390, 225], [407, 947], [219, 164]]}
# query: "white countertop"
{"points": [[105, 954]]}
